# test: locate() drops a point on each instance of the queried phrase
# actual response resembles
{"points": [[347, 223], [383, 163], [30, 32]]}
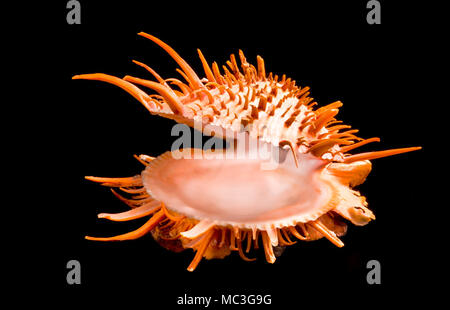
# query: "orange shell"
{"points": [[216, 205]]}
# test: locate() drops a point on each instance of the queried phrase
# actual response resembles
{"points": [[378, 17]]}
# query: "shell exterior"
{"points": [[306, 198]]}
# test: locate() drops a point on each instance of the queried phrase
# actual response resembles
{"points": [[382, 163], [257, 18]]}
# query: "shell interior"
{"points": [[238, 192]]}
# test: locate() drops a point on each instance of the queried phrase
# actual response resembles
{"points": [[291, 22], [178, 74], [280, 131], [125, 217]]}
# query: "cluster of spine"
{"points": [[279, 111], [272, 109]]}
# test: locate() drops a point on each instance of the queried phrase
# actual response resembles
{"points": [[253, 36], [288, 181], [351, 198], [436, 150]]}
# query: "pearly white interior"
{"points": [[238, 190]]}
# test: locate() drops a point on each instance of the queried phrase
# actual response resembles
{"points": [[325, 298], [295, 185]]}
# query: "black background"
{"points": [[95, 128]]}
